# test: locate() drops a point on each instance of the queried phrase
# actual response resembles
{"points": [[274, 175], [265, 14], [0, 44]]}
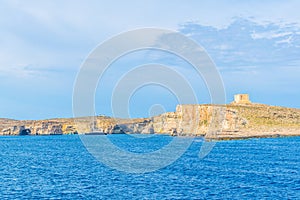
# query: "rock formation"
{"points": [[232, 121]]}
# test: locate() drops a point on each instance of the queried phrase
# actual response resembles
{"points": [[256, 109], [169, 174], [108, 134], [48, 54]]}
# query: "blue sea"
{"points": [[60, 167]]}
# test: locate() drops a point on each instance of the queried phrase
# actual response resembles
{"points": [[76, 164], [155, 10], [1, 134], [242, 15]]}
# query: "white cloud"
{"points": [[287, 40], [223, 47], [270, 35]]}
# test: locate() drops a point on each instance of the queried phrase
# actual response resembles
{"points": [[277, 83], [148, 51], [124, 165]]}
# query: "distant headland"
{"points": [[240, 119]]}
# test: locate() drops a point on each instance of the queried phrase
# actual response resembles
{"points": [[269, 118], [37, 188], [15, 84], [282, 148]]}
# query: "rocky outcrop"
{"points": [[233, 121], [85, 125]]}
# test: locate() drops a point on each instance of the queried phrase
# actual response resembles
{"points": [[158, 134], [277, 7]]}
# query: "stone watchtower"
{"points": [[241, 99]]}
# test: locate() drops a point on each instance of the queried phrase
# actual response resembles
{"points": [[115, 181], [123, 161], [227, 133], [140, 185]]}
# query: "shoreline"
{"points": [[248, 135], [208, 139]]}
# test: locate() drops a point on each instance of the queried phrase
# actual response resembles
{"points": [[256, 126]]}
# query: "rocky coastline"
{"points": [[214, 122]]}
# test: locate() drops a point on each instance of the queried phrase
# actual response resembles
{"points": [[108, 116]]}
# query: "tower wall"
{"points": [[241, 99]]}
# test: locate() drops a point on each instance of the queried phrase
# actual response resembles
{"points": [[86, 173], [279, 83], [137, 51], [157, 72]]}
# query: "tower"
{"points": [[241, 99]]}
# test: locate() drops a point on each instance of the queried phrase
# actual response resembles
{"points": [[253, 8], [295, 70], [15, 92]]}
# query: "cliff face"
{"points": [[105, 125], [231, 121], [212, 121]]}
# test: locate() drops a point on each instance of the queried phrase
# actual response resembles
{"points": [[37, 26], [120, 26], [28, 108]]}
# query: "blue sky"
{"points": [[255, 45]]}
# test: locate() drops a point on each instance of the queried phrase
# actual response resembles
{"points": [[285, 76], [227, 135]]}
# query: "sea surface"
{"points": [[60, 167]]}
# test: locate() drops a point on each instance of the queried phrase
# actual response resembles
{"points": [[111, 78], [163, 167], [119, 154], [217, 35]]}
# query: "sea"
{"points": [[61, 167]]}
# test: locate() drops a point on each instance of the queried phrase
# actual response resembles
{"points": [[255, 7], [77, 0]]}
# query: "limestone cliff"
{"points": [[230, 121]]}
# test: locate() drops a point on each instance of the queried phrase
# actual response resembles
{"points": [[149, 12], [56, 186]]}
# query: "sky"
{"points": [[254, 44]]}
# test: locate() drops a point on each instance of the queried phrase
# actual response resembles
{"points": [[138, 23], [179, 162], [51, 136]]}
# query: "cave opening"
{"points": [[25, 132]]}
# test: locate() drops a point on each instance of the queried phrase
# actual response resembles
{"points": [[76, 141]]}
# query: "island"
{"points": [[240, 119]]}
